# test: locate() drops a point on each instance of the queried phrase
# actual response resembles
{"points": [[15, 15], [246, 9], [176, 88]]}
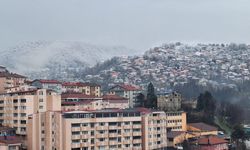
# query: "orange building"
{"points": [[101, 129], [15, 108], [176, 121], [201, 129]]}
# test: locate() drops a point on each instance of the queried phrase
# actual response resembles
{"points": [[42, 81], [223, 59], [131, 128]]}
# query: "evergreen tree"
{"points": [[151, 97], [140, 100], [239, 136], [206, 104]]}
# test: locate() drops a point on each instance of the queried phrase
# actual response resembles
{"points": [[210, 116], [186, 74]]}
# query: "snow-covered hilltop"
{"points": [[170, 65], [58, 59]]}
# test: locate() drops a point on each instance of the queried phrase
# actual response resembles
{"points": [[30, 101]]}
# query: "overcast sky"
{"points": [[138, 24]]}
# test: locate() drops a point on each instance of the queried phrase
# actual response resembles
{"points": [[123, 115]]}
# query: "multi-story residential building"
{"points": [[115, 101], [15, 107], [170, 101], [98, 130], [176, 121], [85, 88], [128, 91], [77, 97], [48, 84], [72, 102], [82, 105], [9, 80]]}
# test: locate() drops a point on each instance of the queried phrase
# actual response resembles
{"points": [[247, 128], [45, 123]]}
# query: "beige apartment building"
{"points": [[84, 88], [10, 80], [98, 130], [176, 121], [15, 107], [79, 101]]}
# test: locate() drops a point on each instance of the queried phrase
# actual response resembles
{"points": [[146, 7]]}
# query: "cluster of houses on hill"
{"points": [[173, 64], [50, 114]]}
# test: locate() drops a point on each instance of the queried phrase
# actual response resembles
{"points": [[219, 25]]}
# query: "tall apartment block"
{"points": [[98, 130], [15, 107], [176, 121], [9, 80]]}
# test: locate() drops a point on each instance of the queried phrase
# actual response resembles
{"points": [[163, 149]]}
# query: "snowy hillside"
{"points": [[47, 58]]}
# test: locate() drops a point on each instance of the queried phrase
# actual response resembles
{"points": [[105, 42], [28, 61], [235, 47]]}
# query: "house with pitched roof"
{"points": [[128, 91], [201, 129], [209, 143]]}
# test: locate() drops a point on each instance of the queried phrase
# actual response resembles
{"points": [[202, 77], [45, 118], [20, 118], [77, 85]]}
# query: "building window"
{"points": [[75, 125], [23, 100], [23, 121]]}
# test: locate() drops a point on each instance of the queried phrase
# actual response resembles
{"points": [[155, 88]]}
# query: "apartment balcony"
{"points": [[85, 136], [23, 118], [127, 142], [86, 144], [136, 133], [75, 137], [102, 143], [113, 127], [113, 135], [136, 126], [23, 125], [137, 141], [102, 135], [75, 129], [127, 134], [102, 128], [127, 127], [75, 145], [113, 143], [85, 128]]}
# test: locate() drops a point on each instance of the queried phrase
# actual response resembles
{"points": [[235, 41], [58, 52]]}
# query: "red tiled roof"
{"points": [[127, 87], [113, 97], [72, 84], [78, 103], [78, 95], [202, 126], [173, 134], [212, 140], [79, 84], [48, 81]]}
